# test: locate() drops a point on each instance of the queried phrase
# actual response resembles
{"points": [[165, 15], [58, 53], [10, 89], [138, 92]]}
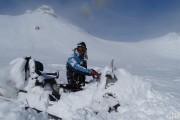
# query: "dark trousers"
{"points": [[76, 80], [51, 81]]}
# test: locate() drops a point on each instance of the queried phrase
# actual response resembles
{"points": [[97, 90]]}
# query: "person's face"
{"points": [[81, 50]]}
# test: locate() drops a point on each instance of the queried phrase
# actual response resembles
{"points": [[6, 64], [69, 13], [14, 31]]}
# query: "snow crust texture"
{"points": [[46, 10], [132, 95]]}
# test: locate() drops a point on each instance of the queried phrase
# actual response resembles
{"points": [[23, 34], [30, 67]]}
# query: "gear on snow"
{"points": [[33, 76], [34, 72], [34, 83]]}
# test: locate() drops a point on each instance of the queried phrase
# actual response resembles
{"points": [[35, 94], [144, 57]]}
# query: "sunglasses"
{"points": [[82, 49]]}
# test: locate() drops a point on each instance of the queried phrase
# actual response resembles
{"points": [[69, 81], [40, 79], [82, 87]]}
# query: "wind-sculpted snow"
{"points": [[7, 87], [17, 72], [136, 97], [46, 10], [13, 111], [129, 89], [132, 95], [131, 92]]}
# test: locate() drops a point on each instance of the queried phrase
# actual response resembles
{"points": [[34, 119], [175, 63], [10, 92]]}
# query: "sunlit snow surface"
{"points": [[148, 71]]}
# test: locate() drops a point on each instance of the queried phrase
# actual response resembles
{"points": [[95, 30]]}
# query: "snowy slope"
{"points": [[152, 96], [57, 37]]}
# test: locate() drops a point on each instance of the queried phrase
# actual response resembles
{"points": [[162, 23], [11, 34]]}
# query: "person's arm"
{"points": [[73, 63]]}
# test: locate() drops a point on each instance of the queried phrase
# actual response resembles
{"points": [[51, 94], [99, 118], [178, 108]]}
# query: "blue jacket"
{"points": [[75, 60]]}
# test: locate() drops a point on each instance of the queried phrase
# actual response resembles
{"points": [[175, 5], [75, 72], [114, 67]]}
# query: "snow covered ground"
{"points": [[147, 71]]}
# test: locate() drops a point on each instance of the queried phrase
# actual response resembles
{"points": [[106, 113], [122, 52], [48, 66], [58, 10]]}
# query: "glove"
{"points": [[94, 73]]}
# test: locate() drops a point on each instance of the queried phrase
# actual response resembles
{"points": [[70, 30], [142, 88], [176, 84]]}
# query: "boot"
{"points": [[55, 96]]}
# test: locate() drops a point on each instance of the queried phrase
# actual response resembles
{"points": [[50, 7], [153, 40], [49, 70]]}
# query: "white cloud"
{"points": [[86, 10]]}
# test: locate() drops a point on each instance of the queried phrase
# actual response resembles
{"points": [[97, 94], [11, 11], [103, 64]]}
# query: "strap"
{"points": [[27, 66]]}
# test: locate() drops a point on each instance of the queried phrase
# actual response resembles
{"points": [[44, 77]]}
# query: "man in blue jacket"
{"points": [[77, 67]]}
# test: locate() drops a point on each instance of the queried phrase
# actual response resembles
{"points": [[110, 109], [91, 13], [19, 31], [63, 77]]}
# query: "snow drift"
{"points": [[133, 95]]}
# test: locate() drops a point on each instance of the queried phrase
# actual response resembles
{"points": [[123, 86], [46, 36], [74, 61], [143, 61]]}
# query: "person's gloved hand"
{"points": [[94, 73]]}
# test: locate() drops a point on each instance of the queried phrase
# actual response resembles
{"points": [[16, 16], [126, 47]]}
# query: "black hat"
{"points": [[81, 44]]}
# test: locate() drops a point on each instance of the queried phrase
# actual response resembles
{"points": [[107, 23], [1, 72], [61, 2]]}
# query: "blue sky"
{"points": [[119, 20]]}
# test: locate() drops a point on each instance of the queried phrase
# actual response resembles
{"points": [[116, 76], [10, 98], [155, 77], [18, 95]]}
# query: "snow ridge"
{"points": [[46, 10]]}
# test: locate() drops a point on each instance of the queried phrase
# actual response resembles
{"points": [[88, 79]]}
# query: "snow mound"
{"points": [[135, 96], [46, 10], [129, 89], [11, 111], [7, 87], [36, 98], [131, 95], [17, 72]]}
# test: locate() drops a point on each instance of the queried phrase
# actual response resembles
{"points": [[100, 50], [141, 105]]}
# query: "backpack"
{"points": [[27, 67], [38, 66]]}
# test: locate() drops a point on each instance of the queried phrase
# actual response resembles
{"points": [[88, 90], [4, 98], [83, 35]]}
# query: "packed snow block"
{"points": [[10, 110], [17, 72], [128, 90], [110, 78], [35, 98], [30, 84], [114, 104]]}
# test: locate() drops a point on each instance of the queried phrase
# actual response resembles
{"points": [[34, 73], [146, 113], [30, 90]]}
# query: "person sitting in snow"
{"points": [[76, 67]]}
